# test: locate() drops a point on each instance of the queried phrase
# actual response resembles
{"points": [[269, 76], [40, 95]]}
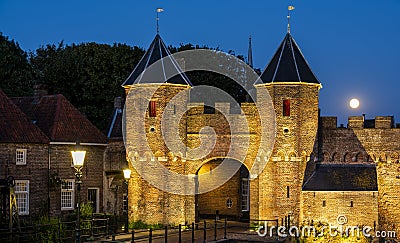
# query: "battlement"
{"points": [[359, 122], [199, 108]]}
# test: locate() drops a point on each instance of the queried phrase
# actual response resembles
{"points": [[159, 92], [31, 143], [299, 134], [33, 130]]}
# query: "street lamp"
{"points": [[78, 158], [127, 176]]}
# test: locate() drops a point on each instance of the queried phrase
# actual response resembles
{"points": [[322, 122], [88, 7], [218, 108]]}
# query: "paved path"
{"points": [[236, 230]]}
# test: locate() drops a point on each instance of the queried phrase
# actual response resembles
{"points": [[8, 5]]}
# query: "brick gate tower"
{"points": [[294, 90], [149, 95]]}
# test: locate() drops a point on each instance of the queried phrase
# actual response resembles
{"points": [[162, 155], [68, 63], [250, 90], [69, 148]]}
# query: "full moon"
{"points": [[354, 103]]}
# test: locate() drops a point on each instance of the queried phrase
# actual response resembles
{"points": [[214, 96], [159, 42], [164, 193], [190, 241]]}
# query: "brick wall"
{"points": [[281, 181], [377, 145], [358, 207], [268, 191], [61, 164], [35, 171]]}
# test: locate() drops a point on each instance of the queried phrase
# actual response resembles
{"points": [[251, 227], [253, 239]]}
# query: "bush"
{"points": [[142, 225]]}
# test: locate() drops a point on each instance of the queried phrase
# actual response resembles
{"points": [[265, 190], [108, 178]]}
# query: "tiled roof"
{"points": [[59, 119], [288, 65], [168, 67], [343, 177], [15, 127]]}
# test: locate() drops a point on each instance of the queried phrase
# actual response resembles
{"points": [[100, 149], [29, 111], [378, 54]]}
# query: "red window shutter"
{"points": [[286, 108], [152, 108]]}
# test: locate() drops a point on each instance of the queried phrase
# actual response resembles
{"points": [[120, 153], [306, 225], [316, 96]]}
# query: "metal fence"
{"points": [[58, 230]]}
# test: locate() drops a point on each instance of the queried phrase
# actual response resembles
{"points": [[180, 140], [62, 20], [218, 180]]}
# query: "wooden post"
{"points": [[193, 232], [180, 233], [205, 232], [133, 236], [166, 234]]}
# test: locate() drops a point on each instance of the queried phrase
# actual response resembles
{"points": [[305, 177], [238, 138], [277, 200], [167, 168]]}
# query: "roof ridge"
{"points": [[301, 53], [294, 58]]}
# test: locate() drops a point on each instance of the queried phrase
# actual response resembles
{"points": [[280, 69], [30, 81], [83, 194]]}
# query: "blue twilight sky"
{"points": [[352, 46]]}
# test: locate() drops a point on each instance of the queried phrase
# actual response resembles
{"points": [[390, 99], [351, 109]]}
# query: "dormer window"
{"points": [[286, 107]]}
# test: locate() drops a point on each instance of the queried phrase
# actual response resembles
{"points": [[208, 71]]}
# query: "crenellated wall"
{"points": [[368, 141]]}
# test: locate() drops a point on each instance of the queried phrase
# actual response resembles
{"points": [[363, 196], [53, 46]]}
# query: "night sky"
{"points": [[352, 46]]}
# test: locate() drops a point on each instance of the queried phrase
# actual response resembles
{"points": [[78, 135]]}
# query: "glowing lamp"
{"points": [[78, 158], [127, 174]]}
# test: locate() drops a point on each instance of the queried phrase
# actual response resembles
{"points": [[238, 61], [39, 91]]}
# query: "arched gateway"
{"points": [[230, 200]]}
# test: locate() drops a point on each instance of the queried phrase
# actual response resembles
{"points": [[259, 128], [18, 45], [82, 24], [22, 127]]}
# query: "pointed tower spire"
{"points": [[288, 65], [160, 73], [250, 54]]}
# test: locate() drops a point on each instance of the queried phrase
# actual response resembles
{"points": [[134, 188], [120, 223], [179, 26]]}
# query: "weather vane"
{"points": [[289, 8], [158, 10]]}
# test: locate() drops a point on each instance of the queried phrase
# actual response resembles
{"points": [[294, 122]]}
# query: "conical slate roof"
{"points": [[288, 65], [158, 73]]}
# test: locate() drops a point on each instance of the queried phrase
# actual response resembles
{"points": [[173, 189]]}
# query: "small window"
{"points": [[324, 203], [22, 196], [229, 203], [209, 109], [286, 108], [67, 195], [351, 203], [152, 108], [20, 157], [287, 192]]}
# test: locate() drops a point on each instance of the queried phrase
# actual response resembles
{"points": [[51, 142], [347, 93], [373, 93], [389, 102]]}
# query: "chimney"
{"points": [[39, 91]]}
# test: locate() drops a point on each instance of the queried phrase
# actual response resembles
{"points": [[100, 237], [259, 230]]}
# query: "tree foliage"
{"points": [[89, 75], [15, 71]]}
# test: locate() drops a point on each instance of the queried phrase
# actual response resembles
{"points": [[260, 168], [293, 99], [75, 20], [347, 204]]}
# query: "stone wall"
{"points": [[379, 145], [113, 181], [357, 206]]}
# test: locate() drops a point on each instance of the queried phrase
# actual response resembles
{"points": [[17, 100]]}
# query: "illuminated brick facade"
{"points": [[306, 145]]}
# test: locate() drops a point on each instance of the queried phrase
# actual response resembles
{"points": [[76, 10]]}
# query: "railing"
{"points": [[105, 229], [59, 231], [204, 231]]}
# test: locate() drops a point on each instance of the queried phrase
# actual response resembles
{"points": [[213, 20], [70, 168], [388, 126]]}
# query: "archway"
{"points": [[231, 200]]}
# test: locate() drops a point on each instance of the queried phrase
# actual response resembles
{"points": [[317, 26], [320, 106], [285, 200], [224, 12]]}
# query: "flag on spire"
{"points": [[290, 7], [158, 10]]}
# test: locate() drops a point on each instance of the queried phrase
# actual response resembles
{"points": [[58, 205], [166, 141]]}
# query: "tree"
{"points": [[15, 71], [89, 75]]}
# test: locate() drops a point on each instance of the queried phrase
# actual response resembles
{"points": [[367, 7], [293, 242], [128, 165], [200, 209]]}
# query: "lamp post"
{"points": [[78, 158], [127, 176]]}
